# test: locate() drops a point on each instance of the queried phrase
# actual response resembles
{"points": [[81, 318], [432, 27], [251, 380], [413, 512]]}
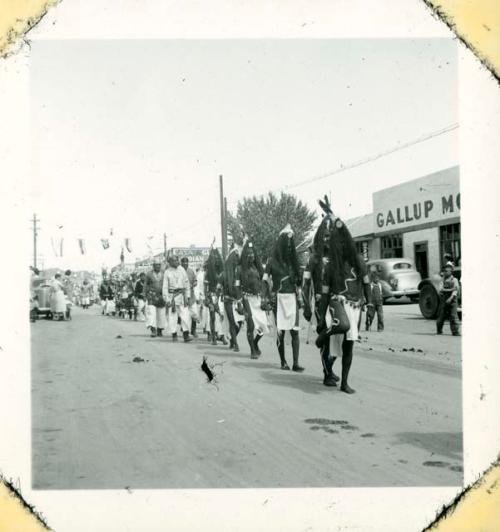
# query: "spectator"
{"points": [[376, 306], [448, 307]]}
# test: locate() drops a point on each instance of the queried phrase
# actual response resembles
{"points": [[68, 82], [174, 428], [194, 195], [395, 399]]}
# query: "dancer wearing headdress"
{"points": [[231, 288], [251, 289], [213, 290], [337, 276], [281, 284]]}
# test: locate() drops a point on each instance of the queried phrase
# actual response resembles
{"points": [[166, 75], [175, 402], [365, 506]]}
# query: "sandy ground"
{"points": [[101, 420]]}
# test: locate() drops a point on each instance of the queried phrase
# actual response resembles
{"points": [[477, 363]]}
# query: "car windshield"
{"points": [[402, 266]]}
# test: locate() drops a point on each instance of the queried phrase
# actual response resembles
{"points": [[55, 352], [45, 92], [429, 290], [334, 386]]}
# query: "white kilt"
{"points": [[219, 316], [238, 318], [155, 317], [141, 309], [85, 300], [353, 312], [109, 306], [259, 316], [287, 313], [181, 311], [203, 315], [194, 312]]}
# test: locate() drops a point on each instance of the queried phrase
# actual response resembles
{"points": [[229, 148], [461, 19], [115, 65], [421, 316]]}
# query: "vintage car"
{"points": [[41, 292], [429, 295], [398, 277]]}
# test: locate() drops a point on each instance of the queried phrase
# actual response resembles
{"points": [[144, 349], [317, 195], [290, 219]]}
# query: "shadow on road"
{"points": [[432, 334], [447, 444], [220, 352], [305, 383], [256, 364]]}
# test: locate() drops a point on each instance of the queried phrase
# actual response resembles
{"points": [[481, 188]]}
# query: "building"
{"points": [[419, 219], [196, 255]]}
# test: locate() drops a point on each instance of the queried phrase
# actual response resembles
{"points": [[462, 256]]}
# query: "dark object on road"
{"points": [[436, 463], [324, 421], [208, 372], [118, 336], [138, 359]]}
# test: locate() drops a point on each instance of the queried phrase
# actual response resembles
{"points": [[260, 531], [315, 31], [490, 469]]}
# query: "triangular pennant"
{"points": [[81, 243]]}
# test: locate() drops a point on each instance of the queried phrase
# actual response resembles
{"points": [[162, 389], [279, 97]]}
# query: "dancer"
{"points": [[176, 292], [341, 287], [281, 283], [193, 306], [85, 294], [231, 286], [213, 288], [251, 288], [155, 307]]}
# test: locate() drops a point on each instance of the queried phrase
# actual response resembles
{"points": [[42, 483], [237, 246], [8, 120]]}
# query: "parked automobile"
{"points": [[398, 277], [429, 295], [41, 292]]}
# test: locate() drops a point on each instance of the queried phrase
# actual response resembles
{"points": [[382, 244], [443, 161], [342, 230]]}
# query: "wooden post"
{"points": [[35, 235], [223, 217]]}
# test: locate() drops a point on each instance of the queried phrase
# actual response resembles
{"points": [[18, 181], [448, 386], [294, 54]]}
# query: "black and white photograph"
{"points": [[246, 264], [249, 266]]}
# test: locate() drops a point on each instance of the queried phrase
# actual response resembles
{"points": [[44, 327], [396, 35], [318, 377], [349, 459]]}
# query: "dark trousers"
{"points": [[377, 309], [233, 327], [448, 311]]}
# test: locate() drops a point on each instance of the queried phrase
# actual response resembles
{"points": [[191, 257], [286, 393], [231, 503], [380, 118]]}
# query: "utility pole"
{"points": [[223, 217], [225, 225], [165, 245], [35, 220]]}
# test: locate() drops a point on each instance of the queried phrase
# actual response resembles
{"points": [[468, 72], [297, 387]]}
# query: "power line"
{"points": [[371, 158]]}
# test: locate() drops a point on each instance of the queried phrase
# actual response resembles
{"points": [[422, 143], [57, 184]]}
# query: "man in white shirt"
{"points": [[176, 293]]}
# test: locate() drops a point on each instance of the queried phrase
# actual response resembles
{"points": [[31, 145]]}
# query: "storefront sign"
{"points": [[196, 256], [432, 198]]}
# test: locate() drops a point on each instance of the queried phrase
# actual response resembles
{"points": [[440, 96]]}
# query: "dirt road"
{"points": [[101, 420]]}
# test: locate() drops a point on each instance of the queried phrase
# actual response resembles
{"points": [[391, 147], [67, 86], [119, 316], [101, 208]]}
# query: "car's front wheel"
{"points": [[428, 302]]}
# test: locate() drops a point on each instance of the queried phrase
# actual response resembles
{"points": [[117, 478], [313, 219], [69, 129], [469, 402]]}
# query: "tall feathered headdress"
{"points": [[327, 209]]}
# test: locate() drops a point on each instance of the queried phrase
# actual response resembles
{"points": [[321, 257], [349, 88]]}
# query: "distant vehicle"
{"points": [[398, 277], [42, 291], [429, 295]]}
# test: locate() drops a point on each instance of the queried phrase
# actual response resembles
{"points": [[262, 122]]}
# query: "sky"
{"points": [[131, 135]]}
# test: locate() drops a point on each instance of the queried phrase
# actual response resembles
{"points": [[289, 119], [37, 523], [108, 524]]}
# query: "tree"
{"points": [[263, 217]]}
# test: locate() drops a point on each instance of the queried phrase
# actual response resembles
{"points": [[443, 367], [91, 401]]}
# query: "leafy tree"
{"points": [[263, 217]]}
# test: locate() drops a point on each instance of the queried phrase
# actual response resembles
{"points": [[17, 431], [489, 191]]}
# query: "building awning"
{"points": [[361, 226]]}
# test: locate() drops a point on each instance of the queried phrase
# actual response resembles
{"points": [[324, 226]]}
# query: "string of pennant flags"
{"points": [[110, 240], [58, 247]]}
